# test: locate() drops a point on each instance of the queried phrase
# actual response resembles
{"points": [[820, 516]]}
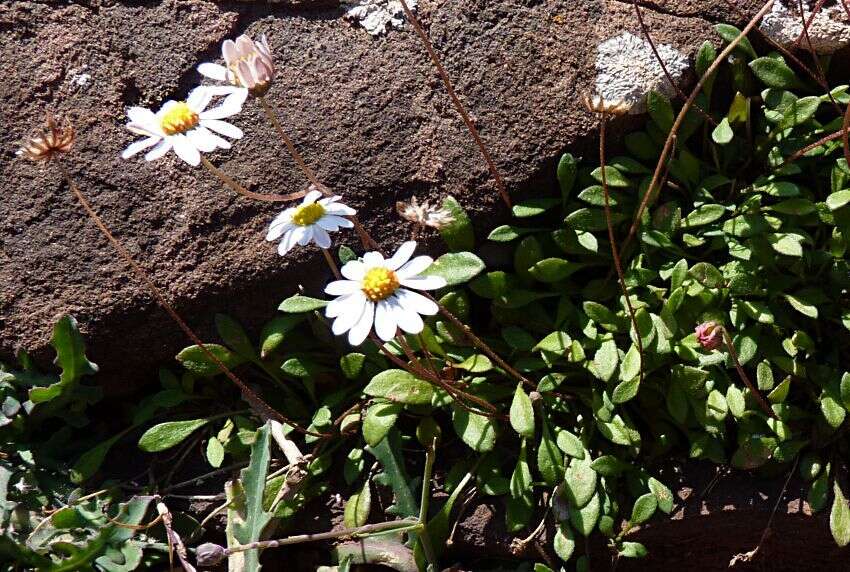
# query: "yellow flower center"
{"points": [[178, 119], [379, 283], [305, 215]]}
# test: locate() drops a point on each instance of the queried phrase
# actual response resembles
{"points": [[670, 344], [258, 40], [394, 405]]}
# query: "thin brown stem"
{"points": [[658, 57], [845, 135], [743, 375], [230, 183], [603, 120], [331, 263], [429, 47], [821, 76], [255, 400], [831, 137], [668, 145]]}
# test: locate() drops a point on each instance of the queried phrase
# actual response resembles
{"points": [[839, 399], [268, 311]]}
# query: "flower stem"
{"points": [[500, 184], [331, 263], [229, 182], [255, 400], [743, 375]]}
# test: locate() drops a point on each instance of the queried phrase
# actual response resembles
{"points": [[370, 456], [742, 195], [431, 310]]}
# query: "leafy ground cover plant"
{"points": [[685, 298]]}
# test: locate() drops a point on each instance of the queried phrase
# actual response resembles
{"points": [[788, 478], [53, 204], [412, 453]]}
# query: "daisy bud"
{"points": [[597, 104], [248, 65], [209, 554], [56, 139], [709, 335], [425, 214]]}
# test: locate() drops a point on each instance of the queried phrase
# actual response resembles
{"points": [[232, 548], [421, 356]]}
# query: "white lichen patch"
{"points": [[627, 69], [378, 16], [828, 32]]}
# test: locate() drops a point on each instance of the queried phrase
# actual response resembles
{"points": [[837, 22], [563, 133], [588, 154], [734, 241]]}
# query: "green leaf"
{"points": [[786, 243], [609, 466], [520, 503], [197, 361], [275, 332], [644, 508], [476, 363], [626, 390], [550, 462], [773, 72], [605, 360], [580, 481], [358, 507], [215, 452], [352, 364], [591, 220], [477, 431], [703, 215], [507, 232], [533, 207], [522, 413], [379, 419], [400, 386], [456, 267], [551, 270], [252, 519], [707, 274], [584, 519], [660, 110], [299, 304], [730, 33], [838, 200], [795, 206], [90, 461], [663, 495], [735, 401], [633, 550], [70, 357], [166, 435], [234, 336], [564, 542], [833, 412], [458, 234], [570, 444], [567, 167], [388, 453], [601, 315], [839, 518], [556, 343], [805, 308], [613, 177], [723, 133]]}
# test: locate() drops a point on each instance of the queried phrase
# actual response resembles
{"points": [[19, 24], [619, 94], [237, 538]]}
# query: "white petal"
{"points": [[284, 217], [385, 322], [424, 282], [311, 197], [226, 109], [416, 302], [198, 99], [351, 303], [321, 237], [159, 151], [277, 230], [409, 321], [222, 127], [372, 259], [237, 97], [186, 150], [213, 71], [306, 235], [354, 270], [333, 222], [138, 146], [415, 266], [328, 200], [361, 329], [287, 242], [228, 50], [141, 115], [202, 139], [339, 209], [342, 287], [402, 255]]}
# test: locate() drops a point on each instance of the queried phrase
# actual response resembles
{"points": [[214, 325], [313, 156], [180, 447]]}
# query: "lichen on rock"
{"points": [[829, 30], [627, 69], [378, 16]]}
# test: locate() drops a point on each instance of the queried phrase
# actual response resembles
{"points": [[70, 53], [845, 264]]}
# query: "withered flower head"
{"points": [[709, 335], [425, 214], [248, 65], [597, 104], [56, 139]]}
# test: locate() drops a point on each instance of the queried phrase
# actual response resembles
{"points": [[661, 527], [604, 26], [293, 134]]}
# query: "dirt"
{"points": [[368, 113]]}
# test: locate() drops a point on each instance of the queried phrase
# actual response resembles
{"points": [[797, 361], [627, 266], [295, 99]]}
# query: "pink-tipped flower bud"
{"points": [[709, 335]]}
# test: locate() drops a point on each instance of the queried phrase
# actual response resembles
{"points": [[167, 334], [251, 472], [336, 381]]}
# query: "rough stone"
{"points": [[369, 113]]}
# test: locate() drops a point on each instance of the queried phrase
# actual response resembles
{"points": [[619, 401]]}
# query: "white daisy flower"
{"points": [[188, 127], [379, 292], [311, 221], [249, 66]]}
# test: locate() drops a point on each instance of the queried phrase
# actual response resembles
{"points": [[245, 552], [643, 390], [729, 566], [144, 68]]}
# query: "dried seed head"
{"points": [[597, 104], [56, 139], [425, 214]]}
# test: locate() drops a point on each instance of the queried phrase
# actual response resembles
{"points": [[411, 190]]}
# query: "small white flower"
{"points": [[311, 221], [249, 66], [185, 126], [378, 292]]}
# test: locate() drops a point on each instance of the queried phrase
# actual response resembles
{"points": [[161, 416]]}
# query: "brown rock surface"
{"points": [[368, 113]]}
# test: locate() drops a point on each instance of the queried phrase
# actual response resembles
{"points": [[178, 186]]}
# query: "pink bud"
{"points": [[709, 335]]}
